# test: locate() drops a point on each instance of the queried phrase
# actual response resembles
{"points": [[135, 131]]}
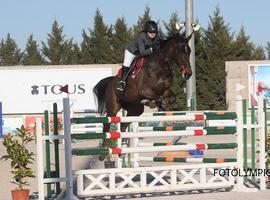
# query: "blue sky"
{"points": [[21, 18]]}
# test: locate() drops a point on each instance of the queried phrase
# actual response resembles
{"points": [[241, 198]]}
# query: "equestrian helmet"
{"points": [[150, 27]]}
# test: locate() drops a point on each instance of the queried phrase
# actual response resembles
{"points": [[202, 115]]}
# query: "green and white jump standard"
{"points": [[199, 173]]}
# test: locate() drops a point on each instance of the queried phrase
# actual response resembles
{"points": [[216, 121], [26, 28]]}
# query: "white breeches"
{"points": [[128, 58]]}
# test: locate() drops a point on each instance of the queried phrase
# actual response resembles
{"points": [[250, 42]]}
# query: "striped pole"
{"points": [[200, 146], [85, 120], [161, 118], [118, 135], [187, 160], [209, 130], [209, 115], [178, 147]]}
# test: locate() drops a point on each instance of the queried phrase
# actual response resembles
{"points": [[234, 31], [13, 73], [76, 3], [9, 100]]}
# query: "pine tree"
{"points": [[120, 39], [72, 54], [86, 53], [211, 76], [9, 52], [170, 27], [76, 54], [141, 21], [242, 47], [56, 51], [100, 41], [258, 53], [268, 50], [32, 55]]}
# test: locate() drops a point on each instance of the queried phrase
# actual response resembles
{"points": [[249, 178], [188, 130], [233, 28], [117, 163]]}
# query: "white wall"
{"points": [[34, 89]]}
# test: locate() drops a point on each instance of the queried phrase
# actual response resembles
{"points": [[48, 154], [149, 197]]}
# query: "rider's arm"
{"points": [[142, 49]]}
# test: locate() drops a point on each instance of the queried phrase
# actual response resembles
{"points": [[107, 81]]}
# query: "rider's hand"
{"points": [[154, 47]]}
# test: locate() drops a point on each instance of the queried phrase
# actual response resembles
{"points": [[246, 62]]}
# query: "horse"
{"points": [[153, 81]]}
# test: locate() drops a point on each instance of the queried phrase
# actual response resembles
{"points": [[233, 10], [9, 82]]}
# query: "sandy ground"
{"points": [[84, 163]]}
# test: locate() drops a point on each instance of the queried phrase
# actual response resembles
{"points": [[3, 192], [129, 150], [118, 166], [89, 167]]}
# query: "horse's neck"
{"points": [[157, 64]]}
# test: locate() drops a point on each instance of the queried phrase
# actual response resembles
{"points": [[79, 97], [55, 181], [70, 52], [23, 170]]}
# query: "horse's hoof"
{"points": [[101, 158], [124, 142], [152, 104]]}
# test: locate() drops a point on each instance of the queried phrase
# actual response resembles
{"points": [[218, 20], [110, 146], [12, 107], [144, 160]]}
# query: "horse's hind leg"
{"points": [[132, 110], [112, 108]]}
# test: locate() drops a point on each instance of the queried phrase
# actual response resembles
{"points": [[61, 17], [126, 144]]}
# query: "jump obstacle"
{"points": [[163, 178]]}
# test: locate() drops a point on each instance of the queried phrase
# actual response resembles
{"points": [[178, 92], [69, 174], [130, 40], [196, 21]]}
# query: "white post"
{"points": [[40, 168], [68, 154], [239, 153], [261, 122], [134, 143]]}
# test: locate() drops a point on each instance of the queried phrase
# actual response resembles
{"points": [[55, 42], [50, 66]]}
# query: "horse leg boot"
{"points": [[121, 86]]}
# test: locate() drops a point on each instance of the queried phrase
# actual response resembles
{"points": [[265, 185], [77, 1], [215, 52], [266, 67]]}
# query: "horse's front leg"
{"points": [[150, 103], [170, 95], [162, 103]]}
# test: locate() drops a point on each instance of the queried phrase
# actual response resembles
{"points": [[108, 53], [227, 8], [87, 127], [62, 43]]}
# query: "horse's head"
{"points": [[180, 52]]}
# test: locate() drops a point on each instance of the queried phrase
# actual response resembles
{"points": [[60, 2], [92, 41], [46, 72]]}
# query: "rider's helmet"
{"points": [[150, 27]]}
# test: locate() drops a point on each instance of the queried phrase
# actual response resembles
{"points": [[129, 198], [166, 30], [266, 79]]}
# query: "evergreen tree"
{"points": [[120, 39], [76, 54], [211, 76], [86, 53], [268, 50], [9, 52], [242, 47], [72, 53], [141, 21], [100, 41], [258, 53], [56, 51], [170, 27], [32, 55]]}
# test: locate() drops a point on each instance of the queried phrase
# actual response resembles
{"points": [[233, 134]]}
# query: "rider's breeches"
{"points": [[128, 58]]}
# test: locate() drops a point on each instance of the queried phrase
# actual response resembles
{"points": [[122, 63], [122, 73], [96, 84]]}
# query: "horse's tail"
{"points": [[99, 92]]}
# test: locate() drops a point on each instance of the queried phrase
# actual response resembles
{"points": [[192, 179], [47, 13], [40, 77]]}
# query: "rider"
{"points": [[145, 44]]}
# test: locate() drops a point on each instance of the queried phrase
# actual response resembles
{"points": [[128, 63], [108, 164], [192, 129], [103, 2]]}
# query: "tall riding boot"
{"points": [[121, 86]]}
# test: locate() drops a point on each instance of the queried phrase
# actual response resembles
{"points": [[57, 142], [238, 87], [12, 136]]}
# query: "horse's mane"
{"points": [[174, 37]]}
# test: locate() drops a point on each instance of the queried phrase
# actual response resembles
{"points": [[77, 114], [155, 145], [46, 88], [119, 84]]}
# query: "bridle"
{"points": [[172, 62]]}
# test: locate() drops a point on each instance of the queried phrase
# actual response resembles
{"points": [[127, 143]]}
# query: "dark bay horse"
{"points": [[153, 81]]}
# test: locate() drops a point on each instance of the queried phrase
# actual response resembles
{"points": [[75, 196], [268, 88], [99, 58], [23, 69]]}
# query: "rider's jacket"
{"points": [[143, 45]]}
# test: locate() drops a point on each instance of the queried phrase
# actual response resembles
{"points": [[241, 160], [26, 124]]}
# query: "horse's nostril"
{"points": [[187, 76]]}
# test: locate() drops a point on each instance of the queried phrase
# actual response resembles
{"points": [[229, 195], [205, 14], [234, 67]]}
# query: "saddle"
{"points": [[135, 68]]}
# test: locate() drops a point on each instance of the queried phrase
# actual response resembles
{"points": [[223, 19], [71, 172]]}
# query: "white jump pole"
{"points": [[40, 169], [68, 155], [261, 131]]}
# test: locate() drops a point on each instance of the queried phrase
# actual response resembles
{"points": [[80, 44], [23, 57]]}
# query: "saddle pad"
{"points": [[136, 70]]}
